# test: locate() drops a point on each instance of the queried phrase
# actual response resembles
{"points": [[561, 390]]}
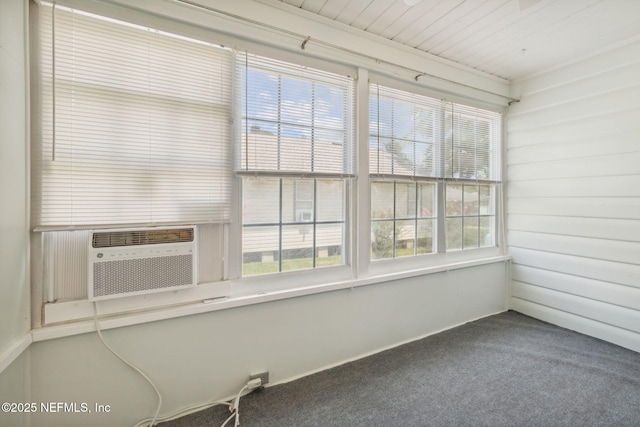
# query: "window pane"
{"points": [[486, 201], [261, 201], [427, 206], [454, 199], [405, 200], [382, 200], [470, 232], [297, 200], [381, 239], [260, 249], [297, 247], [300, 111], [487, 236], [294, 148], [329, 238], [330, 200], [454, 233], [425, 236], [405, 238], [470, 200]]}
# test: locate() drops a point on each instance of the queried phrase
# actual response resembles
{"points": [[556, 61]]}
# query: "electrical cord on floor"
{"points": [[235, 409], [95, 321], [232, 405], [182, 412], [235, 406]]}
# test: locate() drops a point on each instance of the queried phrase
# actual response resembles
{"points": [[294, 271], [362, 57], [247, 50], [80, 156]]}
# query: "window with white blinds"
{"points": [[296, 157], [135, 125], [419, 147], [471, 143], [294, 118], [418, 136], [405, 133]]}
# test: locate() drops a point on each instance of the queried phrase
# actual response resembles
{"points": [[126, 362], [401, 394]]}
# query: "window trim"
{"points": [[256, 289], [76, 317]]}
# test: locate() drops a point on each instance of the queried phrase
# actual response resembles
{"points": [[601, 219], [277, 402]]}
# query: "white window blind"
{"points": [[134, 125], [405, 133], [295, 119], [471, 143], [418, 136]]}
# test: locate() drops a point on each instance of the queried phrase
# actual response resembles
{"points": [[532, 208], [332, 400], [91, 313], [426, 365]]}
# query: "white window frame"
{"points": [[440, 255], [238, 291], [278, 163]]}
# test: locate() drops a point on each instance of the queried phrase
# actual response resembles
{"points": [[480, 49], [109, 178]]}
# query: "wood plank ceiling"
{"points": [[511, 39]]}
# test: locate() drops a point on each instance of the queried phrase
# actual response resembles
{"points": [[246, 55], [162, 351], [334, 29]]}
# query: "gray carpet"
{"points": [[504, 370]]}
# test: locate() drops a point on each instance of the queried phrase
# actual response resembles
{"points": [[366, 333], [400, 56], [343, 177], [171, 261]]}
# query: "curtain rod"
{"points": [[305, 39]]}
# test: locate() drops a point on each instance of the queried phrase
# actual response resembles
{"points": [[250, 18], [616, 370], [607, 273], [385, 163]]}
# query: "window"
{"points": [[131, 129], [134, 125], [420, 147], [403, 163], [303, 200], [471, 165], [296, 159]]}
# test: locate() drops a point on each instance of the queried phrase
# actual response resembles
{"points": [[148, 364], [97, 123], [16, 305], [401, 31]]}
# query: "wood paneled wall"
{"points": [[573, 170]]}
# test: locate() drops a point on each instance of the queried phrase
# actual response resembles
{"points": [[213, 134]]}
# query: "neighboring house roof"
{"points": [[263, 151]]}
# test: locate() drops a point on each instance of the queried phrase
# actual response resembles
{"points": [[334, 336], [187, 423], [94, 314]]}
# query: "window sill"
{"points": [[76, 317]]}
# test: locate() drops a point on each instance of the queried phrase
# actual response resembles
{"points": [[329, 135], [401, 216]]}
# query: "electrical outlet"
{"points": [[264, 377]]}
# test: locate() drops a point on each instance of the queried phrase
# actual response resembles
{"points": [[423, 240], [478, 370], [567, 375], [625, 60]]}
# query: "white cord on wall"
{"points": [[233, 405], [95, 320]]}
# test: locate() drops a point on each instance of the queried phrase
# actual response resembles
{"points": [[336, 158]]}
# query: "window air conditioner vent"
{"points": [[110, 239], [134, 262]]}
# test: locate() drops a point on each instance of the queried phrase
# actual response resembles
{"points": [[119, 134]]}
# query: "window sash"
{"points": [[276, 238], [471, 143], [415, 136], [135, 125], [403, 218], [404, 132], [470, 215], [295, 120]]}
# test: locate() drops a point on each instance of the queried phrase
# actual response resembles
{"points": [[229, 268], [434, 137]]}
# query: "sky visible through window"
{"points": [[292, 107]]}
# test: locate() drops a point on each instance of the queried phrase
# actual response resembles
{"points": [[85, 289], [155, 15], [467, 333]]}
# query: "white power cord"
{"points": [[95, 321], [234, 404]]}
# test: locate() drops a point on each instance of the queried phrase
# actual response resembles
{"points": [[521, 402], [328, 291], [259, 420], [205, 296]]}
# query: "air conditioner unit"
{"points": [[132, 262]]}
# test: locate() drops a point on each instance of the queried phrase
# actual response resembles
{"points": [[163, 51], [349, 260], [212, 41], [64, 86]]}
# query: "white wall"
{"points": [[14, 311], [14, 388], [574, 196], [204, 356], [211, 355], [14, 283]]}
